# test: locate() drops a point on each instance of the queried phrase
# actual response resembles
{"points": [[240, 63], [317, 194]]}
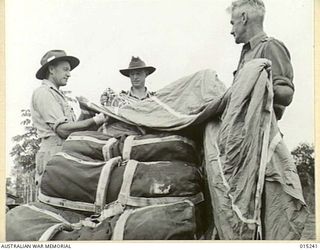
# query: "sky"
{"points": [[178, 37]]}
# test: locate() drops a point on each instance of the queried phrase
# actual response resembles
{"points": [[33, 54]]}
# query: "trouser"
{"points": [[48, 147]]}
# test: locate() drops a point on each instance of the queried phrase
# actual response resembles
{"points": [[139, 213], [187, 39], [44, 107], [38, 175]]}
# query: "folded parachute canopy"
{"points": [[254, 186], [189, 100]]}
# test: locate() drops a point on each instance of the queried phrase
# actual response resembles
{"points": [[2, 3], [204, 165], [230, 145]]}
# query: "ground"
{"points": [[309, 230]]}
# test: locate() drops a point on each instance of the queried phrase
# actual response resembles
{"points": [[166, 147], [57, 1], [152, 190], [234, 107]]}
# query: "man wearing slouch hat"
{"points": [[52, 114], [137, 72]]}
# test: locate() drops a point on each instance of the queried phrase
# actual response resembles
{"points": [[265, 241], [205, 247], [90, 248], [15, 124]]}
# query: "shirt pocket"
{"points": [[69, 112]]}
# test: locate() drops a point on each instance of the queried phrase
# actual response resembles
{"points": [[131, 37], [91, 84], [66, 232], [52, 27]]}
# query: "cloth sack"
{"points": [[37, 221], [159, 147], [157, 222], [87, 143], [78, 182]]}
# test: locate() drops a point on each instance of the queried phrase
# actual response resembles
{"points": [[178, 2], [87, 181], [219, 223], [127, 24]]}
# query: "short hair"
{"points": [[255, 7]]}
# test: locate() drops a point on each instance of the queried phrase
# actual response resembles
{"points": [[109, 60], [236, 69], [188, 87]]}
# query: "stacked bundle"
{"points": [[138, 187]]}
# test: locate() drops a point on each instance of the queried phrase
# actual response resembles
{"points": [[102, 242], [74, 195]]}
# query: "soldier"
{"points": [[137, 72], [247, 27], [51, 112]]}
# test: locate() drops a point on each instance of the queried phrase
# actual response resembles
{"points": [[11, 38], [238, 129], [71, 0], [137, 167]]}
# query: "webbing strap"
{"points": [[143, 201], [118, 231], [106, 151], [170, 138], [59, 202], [85, 138], [127, 147], [264, 160], [127, 181], [72, 158], [104, 182], [87, 222], [110, 210], [49, 233], [274, 143], [191, 204]]}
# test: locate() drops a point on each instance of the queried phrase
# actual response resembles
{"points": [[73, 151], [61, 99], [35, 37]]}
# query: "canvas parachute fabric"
{"points": [[153, 147], [37, 221], [115, 128], [254, 187], [185, 102]]}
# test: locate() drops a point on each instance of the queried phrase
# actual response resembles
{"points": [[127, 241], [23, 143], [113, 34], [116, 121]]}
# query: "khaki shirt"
{"points": [[49, 109], [110, 98], [262, 46]]}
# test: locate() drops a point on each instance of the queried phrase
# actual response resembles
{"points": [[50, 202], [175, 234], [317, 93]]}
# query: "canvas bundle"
{"points": [[42, 222], [77, 182], [88, 143], [158, 222], [160, 147], [115, 128], [37, 221]]}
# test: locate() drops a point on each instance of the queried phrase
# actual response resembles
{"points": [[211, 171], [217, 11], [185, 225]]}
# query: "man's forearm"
{"points": [[65, 129]]}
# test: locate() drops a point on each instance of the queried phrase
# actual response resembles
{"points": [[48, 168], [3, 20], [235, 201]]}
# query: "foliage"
{"points": [[26, 144], [304, 160], [10, 185]]}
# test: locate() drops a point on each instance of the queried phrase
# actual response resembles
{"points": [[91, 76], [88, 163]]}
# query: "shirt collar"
{"points": [[254, 41], [49, 84], [52, 86], [147, 94]]}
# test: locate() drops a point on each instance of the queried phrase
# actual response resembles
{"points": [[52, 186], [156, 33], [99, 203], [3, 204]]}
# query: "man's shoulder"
{"points": [[43, 92], [42, 89], [274, 41]]}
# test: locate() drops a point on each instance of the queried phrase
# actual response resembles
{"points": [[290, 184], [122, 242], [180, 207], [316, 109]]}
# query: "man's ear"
{"points": [[50, 68], [244, 17]]}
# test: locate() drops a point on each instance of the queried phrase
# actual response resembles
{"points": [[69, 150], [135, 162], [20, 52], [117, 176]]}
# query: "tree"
{"points": [[24, 153], [26, 145], [304, 160]]}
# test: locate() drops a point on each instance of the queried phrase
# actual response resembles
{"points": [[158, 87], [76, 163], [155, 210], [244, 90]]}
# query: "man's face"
{"points": [[238, 27], [138, 77], [60, 73]]}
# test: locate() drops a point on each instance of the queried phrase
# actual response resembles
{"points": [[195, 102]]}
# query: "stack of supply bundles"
{"points": [[134, 186]]}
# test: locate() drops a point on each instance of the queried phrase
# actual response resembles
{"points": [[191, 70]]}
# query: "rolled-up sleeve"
{"points": [[50, 110], [282, 72]]}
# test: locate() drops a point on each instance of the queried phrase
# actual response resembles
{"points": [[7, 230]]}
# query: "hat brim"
{"points": [[126, 72], [74, 62]]}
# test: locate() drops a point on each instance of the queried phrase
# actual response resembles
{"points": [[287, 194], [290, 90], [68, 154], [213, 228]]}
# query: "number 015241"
{"points": [[308, 245]]}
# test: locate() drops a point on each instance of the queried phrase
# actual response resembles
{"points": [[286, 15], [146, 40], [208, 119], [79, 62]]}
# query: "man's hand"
{"points": [[100, 119]]}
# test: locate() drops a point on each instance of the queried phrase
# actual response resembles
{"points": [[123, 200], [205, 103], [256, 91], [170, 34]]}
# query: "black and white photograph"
{"points": [[157, 120]]}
